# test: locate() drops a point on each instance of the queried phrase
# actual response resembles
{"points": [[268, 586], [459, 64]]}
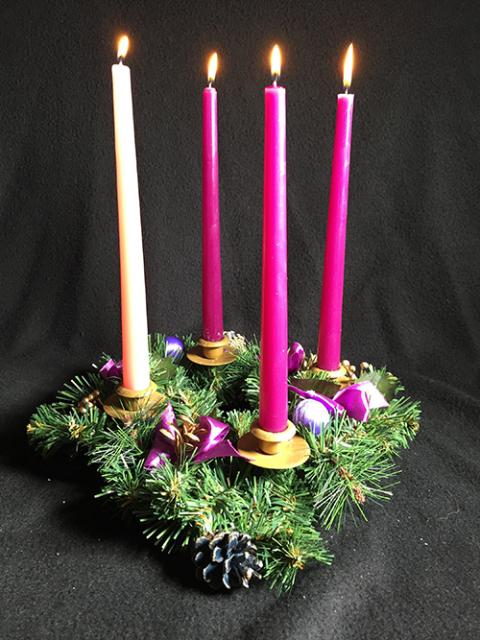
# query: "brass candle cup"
{"points": [[124, 404], [211, 354], [274, 450]]}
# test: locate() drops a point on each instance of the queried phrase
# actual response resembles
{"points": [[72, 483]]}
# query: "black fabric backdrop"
{"points": [[69, 566]]}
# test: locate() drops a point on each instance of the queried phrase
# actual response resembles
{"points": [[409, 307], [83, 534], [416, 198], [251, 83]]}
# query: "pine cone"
{"points": [[227, 559]]}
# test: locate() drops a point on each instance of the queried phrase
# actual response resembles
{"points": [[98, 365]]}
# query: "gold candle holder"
{"points": [[345, 371], [274, 450], [123, 404], [211, 354]]}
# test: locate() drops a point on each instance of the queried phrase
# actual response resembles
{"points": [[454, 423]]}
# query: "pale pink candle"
{"points": [[136, 372], [274, 329], [212, 305], [330, 328]]}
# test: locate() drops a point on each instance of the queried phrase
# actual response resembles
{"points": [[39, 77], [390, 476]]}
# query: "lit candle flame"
{"points": [[212, 67], [347, 68], [276, 61], [123, 47]]}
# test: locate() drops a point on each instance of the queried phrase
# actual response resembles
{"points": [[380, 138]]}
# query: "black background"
{"points": [[69, 568]]}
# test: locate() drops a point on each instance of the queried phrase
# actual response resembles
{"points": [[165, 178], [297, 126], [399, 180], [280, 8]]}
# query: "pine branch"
{"points": [[194, 403], [289, 553], [50, 427], [163, 511], [345, 469], [396, 426], [79, 387], [240, 421], [123, 482], [229, 382]]}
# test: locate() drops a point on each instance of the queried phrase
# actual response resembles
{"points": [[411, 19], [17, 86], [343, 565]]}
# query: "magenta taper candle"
{"points": [[274, 326], [212, 306], [330, 328]]}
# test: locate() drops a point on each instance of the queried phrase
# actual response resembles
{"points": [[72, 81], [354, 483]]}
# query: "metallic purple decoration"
{"points": [[311, 414], [163, 447], [376, 399], [296, 356], [357, 400], [174, 348], [211, 432], [213, 442], [112, 369], [328, 403]]}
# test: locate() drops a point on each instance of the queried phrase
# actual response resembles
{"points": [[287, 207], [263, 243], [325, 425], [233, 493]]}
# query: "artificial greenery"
{"points": [[351, 463]]}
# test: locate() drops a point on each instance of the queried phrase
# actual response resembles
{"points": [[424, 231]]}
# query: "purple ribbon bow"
{"points": [[111, 369], [357, 400], [296, 356], [212, 441]]}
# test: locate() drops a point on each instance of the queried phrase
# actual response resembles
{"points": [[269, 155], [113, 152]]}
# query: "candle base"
{"points": [[333, 375], [274, 450], [125, 403], [211, 354], [344, 373]]}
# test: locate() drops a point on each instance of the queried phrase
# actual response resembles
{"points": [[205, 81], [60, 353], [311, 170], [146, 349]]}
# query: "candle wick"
{"points": [[275, 79], [346, 90], [210, 84], [120, 59]]}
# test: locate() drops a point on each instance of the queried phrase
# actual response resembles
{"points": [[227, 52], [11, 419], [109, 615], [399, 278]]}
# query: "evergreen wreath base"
{"points": [[239, 521]]}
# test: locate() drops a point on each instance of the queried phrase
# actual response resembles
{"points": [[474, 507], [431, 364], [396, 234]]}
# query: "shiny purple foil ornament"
{"points": [[357, 400], [174, 348], [312, 414], [112, 370], [376, 399], [296, 356], [212, 441]]}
